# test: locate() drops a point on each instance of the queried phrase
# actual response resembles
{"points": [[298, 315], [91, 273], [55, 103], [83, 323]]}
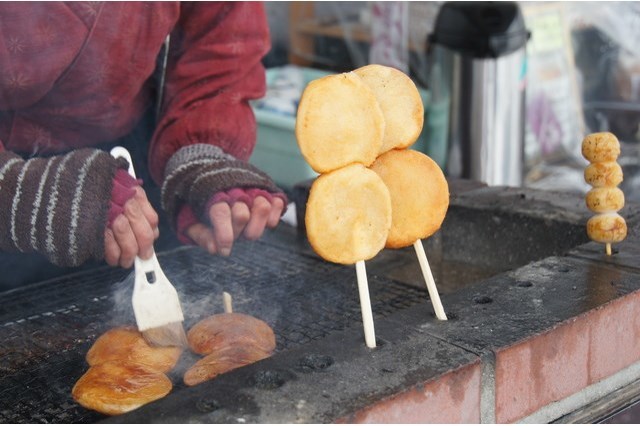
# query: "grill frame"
{"points": [[51, 335]]}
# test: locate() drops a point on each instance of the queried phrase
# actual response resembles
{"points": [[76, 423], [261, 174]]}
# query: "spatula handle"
{"points": [[118, 152], [148, 271]]}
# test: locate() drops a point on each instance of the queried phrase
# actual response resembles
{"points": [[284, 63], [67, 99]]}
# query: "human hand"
{"points": [[132, 232], [228, 223]]}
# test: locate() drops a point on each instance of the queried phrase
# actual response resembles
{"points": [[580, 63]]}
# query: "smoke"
{"points": [[201, 279], [201, 286], [122, 311]]}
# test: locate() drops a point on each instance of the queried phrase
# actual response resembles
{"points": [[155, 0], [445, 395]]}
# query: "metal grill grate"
{"points": [[46, 330]]}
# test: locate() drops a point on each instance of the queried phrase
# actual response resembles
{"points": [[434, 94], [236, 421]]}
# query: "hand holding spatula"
{"points": [[156, 305]]}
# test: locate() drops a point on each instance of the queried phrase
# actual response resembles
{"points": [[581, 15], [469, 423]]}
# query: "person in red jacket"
{"points": [[80, 77]]}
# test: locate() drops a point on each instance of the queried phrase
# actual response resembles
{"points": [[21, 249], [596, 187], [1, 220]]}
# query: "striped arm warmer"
{"points": [[195, 173], [56, 206]]}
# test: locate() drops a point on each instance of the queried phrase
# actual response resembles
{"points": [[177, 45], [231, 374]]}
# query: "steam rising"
{"points": [[201, 281]]}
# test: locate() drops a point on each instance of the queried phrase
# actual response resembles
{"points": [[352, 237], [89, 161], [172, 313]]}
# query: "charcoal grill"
{"points": [[313, 307], [47, 328]]}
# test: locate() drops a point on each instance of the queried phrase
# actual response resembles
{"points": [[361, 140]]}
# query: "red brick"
{"points": [[615, 337], [451, 398], [577, 353], [540, 370]]}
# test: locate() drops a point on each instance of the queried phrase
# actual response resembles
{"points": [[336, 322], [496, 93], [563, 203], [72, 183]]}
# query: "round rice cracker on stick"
{"points": [[339, 122], [419, 195], [400, 102], [348, 215]]}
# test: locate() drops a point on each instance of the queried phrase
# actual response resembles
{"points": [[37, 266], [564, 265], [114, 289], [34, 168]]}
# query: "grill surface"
{"points": [[47, 328]]}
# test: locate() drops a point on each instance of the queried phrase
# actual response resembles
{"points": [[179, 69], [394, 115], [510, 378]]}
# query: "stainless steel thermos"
{"points": [[477, 54]]}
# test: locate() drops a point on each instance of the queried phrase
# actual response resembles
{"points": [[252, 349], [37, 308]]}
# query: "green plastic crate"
{"points": [[277, 152]]}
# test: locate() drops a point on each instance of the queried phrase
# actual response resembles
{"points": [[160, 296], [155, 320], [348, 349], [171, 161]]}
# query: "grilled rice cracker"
{"points": [[607, 228], [600, 147], [230, 329], [419, 195], [117, 387], [400, 102], [339, 122], [605, 199], [605, 174], [223, 359], [127, 344], [348, 215]]}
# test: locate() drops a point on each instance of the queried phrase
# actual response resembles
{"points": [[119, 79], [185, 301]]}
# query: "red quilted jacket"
{"points": [[75, 74], [79, 74]]}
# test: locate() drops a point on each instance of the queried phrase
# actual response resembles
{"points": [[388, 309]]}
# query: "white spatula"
{"points": [[156, 305]]}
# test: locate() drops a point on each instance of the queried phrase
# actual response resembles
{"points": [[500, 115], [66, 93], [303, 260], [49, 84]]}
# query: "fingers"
{"points": [[111, 248], [240, 215], [277, 206], [203, 236], [139, 225], [263, 215], [260, 212], [125, 240], [229, 223], [132, 233], [147, 210], [220, 217]]}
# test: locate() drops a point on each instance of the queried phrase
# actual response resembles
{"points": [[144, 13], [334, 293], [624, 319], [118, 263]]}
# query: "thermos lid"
{"points": [[480, 29]]}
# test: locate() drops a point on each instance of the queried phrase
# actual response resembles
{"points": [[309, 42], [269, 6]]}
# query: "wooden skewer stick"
{"points": [[431, 284], [608, 248], [226, 301], [365, 305]]}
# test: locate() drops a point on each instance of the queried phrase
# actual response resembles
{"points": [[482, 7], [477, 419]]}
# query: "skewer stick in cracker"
{"points": [[428, 278], [347, 219], [420, 199], [365, 305], [604, 174], [343, 123], [418, 188], [227, 303]]}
